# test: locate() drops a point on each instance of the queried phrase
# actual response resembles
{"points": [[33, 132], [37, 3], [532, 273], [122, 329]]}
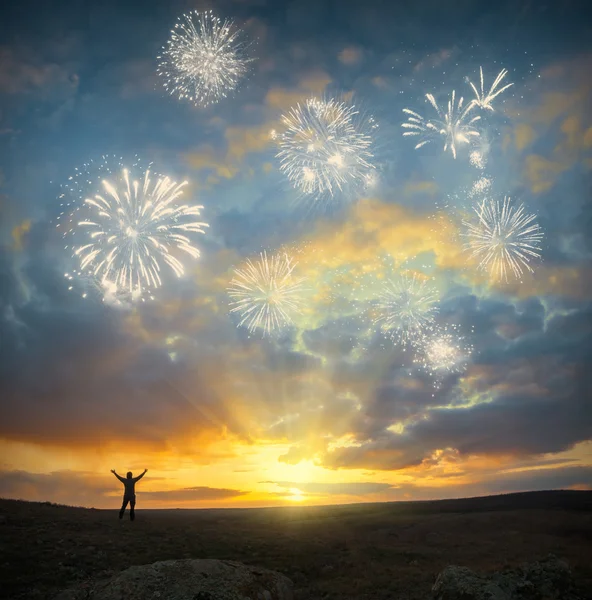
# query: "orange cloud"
{"points": [[18, 234], [350, 55]]}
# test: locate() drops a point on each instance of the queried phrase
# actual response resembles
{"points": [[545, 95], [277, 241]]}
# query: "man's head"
{"points": [[129, 474]]}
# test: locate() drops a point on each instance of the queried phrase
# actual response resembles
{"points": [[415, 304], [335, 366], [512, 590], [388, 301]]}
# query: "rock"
{"points": [[187, 579], [549, 579], [460, 583]]}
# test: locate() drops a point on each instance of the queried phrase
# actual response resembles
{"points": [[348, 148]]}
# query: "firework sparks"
{"points": [[127, 234], [443, 351], [407, 308], [484, 99], [266, 293], [204, 59], [503, 238], [480, 186], [326, 148], [455, 125]]}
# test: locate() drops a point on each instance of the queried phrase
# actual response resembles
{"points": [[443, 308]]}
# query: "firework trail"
{"points": [[455, 125], [407, 308], [123, 237], [503, 238], [266, 293], [326, 149], [204, 59], [484, 99]]}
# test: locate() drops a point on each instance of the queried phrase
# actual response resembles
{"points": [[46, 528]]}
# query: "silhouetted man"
{"points": [[129, 495]]}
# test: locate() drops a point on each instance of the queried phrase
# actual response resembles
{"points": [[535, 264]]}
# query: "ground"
{"points": [[363, 551]]}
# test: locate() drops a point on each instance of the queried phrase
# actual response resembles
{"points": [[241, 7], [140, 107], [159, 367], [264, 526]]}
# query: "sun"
{"points": [[296, 495]]}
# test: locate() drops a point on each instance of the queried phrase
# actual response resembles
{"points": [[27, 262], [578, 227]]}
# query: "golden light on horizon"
{"points": [[296, 495]]}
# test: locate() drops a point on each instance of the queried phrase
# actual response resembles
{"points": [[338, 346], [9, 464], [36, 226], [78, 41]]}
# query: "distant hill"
{"points": [[543, 500]]}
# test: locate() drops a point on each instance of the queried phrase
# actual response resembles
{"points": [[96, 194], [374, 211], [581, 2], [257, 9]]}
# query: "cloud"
{"points": [[18, 234], [21, 73], [193, 494], [241, 141], [353, 488], [76, 488], [556, 124], [63, 487], [351, 55]]}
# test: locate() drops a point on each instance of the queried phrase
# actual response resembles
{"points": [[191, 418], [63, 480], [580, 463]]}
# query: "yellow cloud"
{"points": [[205, 159], [420, 187], [564, 114], [542, 172], [282, 99], [570, 282], [18, 234], [523, 136], [242, 141]]}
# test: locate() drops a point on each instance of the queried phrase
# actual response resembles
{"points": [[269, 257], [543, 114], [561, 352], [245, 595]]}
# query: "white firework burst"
{"points": [[503, 238], [204, 59], [443, 351], [456, 124], [407, 308], [326, 148], [484, 99], [125, 236], [266, 293]]}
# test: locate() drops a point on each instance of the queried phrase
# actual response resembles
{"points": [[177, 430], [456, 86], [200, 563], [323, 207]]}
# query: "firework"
{"points": [[443, 351], [503, 238], [266, 293], [123, 237], [204, 59], [455, 125], [480, 186], [484, 99], [326, 148], [407, 308]]}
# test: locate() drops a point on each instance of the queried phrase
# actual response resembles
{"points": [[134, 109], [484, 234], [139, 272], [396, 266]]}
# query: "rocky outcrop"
{"points": [[549, 579], [199, 579]]}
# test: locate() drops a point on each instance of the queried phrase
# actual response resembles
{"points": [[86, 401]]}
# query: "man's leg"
{"points": [[132, 506], [125, 501]]}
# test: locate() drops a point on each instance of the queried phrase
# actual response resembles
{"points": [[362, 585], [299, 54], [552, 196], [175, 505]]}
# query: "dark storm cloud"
{"points": [[549, 415], [66, 487], [534, 383], [579, 477], [72, 373]]}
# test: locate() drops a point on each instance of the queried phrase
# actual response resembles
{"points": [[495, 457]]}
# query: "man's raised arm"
{"points": [[140, 476], [118, 477]]}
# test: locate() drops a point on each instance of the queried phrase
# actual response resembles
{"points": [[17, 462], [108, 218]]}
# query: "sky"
{"points": [[327, 409]]}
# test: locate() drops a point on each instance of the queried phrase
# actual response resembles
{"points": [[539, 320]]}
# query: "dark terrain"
{"points": [[373, 551]]}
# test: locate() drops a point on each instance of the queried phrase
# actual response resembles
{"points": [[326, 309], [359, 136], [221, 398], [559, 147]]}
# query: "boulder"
{"points": [[188, 579], [549, 579]]}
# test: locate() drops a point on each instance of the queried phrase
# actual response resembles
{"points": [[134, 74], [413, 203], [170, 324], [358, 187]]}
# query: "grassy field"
{"points": [[373, 551]]}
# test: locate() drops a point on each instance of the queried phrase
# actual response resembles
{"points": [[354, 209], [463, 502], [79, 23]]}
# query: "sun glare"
{"points": [[296, 495]]}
